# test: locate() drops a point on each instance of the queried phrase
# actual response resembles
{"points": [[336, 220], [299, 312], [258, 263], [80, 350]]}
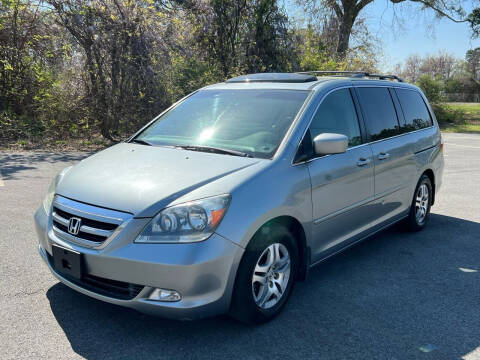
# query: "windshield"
{"points": [[249, 121]]}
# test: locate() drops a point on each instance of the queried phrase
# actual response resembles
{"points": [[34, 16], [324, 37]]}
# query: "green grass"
{"points": [[471, 110], [465, 118], [462, 128]]}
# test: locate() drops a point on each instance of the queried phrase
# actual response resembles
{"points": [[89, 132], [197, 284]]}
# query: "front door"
{"points": [[342, 184]]}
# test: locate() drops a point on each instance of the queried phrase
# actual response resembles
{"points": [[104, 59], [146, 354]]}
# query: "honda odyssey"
{"points": [[227, 198]]}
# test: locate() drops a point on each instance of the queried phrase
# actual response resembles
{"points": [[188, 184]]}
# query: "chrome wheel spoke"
{"points": [[264, 295], [283, 264], [276, 252], [270, 256], [276, 290], [266, 260], [259, 278], [280, 283]]}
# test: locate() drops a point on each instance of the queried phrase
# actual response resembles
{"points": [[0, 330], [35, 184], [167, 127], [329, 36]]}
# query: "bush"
{"points": [[446, 114], [14, 127], [431, 87]]}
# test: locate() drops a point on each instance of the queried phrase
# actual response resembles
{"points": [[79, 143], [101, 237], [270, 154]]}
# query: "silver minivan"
{"points": [[227, 198]]}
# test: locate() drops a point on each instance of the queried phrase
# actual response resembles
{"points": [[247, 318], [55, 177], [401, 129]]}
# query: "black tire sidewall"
{"points": [[243, 306], [414, 225]]}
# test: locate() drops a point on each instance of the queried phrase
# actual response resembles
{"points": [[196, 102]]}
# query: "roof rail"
{"points": [[354, 74], [274, 77]]}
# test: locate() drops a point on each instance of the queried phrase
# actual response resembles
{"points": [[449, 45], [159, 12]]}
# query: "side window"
{"points": [[337, 114], [380, 112], [414, 109]]}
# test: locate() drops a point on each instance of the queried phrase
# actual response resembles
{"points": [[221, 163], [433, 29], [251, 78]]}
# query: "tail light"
{"points": [[441, 142]]}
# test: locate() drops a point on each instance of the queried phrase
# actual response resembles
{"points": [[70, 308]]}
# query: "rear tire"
{"points": [[265, 276], [420, 208]]}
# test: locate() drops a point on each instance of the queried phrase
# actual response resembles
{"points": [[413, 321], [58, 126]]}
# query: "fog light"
{"points": [[165, 295]]}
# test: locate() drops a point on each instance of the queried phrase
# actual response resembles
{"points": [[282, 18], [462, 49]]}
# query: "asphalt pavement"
{"points": [[394, 296]]}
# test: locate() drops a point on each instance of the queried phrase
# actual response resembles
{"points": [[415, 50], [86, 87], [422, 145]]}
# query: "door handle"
{"points": [[383, 156], [363, 161]]}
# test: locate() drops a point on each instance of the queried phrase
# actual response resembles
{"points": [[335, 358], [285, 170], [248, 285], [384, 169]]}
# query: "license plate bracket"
{"points": [[67, 261]]}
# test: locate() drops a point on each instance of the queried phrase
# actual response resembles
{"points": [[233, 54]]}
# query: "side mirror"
{"points": [[328, 143]]}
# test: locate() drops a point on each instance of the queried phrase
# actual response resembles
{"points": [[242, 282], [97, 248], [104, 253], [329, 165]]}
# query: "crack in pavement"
{"points": [[23, 293]]}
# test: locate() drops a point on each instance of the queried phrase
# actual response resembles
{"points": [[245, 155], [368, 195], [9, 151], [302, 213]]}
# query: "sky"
{"points": [[419, 32]]}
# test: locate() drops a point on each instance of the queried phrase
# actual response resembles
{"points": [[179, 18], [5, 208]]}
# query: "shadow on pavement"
{"points": [[384, 298], [12, 165]]}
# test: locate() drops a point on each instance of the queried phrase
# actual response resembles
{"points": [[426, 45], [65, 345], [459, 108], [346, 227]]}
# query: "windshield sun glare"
{"points": [[253, 121]]}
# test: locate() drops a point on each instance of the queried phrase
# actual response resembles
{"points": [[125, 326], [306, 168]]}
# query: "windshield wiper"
{"points": [[140, 141], [213, 149]]}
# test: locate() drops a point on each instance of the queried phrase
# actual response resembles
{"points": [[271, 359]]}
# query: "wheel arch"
{"points": [[431, 176], [297, 230]]}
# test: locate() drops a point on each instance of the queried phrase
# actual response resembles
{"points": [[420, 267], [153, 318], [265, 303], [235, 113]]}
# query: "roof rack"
{"points": [[274, 77], [354, 74]]}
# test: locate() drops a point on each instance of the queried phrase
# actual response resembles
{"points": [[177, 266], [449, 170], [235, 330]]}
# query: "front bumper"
{"points": [[203, 273]]}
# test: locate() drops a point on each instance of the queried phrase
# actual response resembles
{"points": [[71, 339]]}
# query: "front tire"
{"points": [[265, 276], [420, 208]]}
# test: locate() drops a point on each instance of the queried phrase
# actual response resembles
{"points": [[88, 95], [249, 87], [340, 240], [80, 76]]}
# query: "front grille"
{"points": [[90, 230], [107, 287], [86, 221], [96, 224]]}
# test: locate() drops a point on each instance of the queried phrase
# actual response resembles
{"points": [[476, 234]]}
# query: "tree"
{"points": [[473, 69], [431, 87], [123, 50], [267, 38], [87, 69], [474, 21], [440, 65], [473, 63], [32, 53], [347, 12], [411, 70], [241, 35], [219, 25], [311, 53]]}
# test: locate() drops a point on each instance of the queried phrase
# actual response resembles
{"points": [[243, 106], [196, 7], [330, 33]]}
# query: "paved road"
{"points": [[388, 298]]}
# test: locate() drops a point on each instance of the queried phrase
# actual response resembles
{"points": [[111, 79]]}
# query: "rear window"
{"points": [[380, 112], [414, 108]]}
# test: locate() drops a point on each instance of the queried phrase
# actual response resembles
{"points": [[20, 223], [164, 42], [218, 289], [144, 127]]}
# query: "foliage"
{"points": [[344, 16], [471, 111], [431, 87], [32, 51], [474, 21], [460, 117], [312, 53], [448, 115], [453, 79], [74, 69]]}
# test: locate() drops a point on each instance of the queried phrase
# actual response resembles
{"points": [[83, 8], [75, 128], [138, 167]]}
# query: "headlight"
{"points": [[189, 222], [47, 201]]}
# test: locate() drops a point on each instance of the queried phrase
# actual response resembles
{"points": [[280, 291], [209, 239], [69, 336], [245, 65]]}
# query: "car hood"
{"points": [[142, 179]]}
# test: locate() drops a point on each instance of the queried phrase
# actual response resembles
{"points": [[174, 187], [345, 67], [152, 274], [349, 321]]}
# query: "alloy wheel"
{"points": [[271, 275], [421, 203]]}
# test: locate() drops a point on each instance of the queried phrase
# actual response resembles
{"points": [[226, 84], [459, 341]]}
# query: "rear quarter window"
{"points": [[414, 109], [381, 117]]}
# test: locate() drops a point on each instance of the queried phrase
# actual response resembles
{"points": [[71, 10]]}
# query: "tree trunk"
{"points": [[345, 30]]}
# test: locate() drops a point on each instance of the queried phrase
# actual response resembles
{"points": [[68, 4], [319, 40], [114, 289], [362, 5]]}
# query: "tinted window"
{"points": [[336, 114], [414, 109], [381, 116], [251, 121]]}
